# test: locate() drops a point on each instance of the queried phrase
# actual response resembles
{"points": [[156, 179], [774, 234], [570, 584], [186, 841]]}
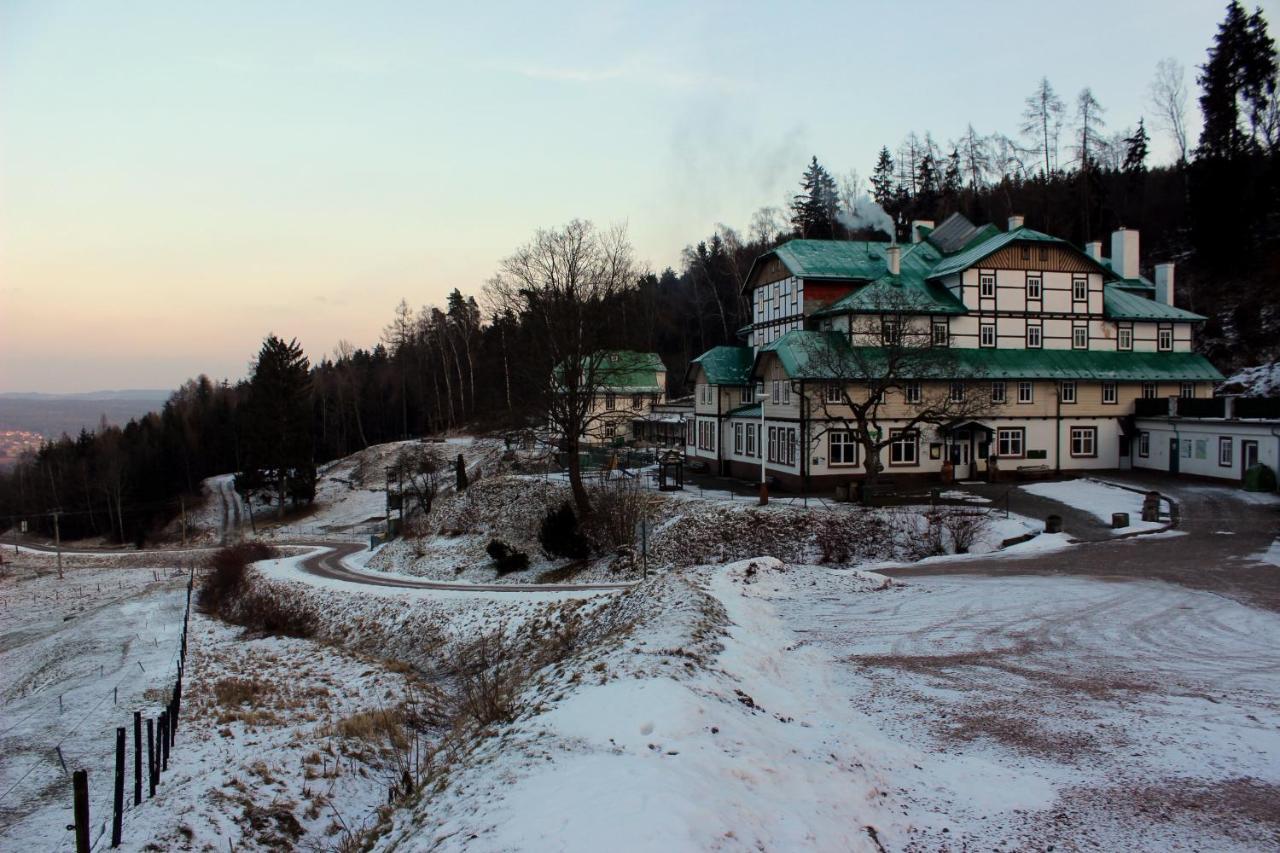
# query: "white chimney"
{"points": [[1124, 253], [1094, 250], [916, 225], [1164, 283], [895, 259], [1015, 222]]}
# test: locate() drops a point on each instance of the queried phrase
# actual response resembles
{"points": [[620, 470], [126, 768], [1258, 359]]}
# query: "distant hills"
{"points": [[51, 415]]}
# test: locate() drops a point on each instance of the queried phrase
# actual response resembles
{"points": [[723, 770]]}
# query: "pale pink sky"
{"points": [[179, 179]]}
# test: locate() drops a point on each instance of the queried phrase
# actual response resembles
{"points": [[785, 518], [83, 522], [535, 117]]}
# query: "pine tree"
{"points": [[882, 178], [278, 449], [1135, 156], [1239, 76], [952, 178], [813, 211], [927, 185]]}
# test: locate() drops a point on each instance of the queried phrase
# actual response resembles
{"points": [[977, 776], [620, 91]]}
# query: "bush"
{"points": [[965, 528], [617, 507], [223, 579], [268, 609], [560, 535], [505, 558]]}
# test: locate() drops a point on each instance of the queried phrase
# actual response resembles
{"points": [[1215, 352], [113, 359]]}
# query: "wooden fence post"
{"points": [[164, 741], [151, 758], [117, 815], [137, 758], [80, 785]]}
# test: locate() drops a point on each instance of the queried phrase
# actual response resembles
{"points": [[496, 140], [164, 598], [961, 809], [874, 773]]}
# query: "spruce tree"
{"points": [[278, 440], [882, 178], [1239, 76], [1135, 155], [814, 209]]}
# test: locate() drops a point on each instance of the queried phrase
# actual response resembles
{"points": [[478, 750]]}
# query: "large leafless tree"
{"points": [[563, 281], [890, 352]]}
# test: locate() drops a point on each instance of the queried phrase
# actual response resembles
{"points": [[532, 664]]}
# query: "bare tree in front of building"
{"points": [[562, 283], [889, 361]]}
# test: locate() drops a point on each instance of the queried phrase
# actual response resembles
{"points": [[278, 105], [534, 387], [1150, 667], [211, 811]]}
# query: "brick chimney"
{"points": [[1164, 283], [1124, 252]]}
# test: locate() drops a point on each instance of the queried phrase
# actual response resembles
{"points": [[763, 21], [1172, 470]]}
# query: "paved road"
{"points": [[328, 564], [1225, 532]]}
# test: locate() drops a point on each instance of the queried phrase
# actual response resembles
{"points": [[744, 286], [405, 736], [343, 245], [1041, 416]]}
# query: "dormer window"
{"points": [[987, 286], [1124, 338]]}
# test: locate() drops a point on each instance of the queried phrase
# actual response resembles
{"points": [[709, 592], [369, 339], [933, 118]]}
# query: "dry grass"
{"points": [[237, 692]]}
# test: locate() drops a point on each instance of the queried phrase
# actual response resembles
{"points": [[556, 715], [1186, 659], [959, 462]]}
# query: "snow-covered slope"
{"points": [[1262, 380]]}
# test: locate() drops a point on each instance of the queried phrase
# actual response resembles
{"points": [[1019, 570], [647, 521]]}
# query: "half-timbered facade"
{"points": [[1055, 342]]}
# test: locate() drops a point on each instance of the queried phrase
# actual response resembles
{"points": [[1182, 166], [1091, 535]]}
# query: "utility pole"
{"points": [[57, 540]]}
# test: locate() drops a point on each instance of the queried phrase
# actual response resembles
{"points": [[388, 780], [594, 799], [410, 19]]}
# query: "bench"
{"points": [[1034, 472], [883, 487]]}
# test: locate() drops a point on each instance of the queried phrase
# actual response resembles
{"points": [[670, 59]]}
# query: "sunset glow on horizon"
{"points": [[179, 180]]}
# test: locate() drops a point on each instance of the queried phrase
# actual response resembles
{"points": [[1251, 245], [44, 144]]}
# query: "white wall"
{"points": [[1189, 433]]}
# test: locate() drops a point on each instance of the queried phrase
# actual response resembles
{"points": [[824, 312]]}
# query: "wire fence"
{"points": [[144, 765]]}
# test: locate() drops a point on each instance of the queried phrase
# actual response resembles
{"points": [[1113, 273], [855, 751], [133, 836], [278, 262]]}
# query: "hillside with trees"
{"points": [[480, 360]]}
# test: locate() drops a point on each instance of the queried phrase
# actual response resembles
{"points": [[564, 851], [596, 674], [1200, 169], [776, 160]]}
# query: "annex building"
{"points": [[1046, 348]]}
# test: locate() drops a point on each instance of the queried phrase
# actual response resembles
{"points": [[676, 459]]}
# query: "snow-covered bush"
{"points": [[505, 558]]}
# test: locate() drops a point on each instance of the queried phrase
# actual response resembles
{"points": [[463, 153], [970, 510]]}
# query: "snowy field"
{"points": [[1029, 713], [1098, 499], [77, 657]]}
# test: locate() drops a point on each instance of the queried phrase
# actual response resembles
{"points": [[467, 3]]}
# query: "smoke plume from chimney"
{"points": [[866, 214]]}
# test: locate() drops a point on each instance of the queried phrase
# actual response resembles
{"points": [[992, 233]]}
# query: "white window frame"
{"points": [[746, 394], [610, 429], [911, 392], [956, 392], [842, 448], [987, 334], [1010, 438], [833, 394], [1079, 290], [751, 440], [999, 392], [1187, 387], [1150, 390], [1067, 392], [1109, 393], [1079, 337], [1164, 340], [904, 444], [1030, 389], [986, 285], [941, 334], [1084, 442], [610, 401], [1035, 288], [737, 439], [1035, 337], [1124, 338], [1228, 444], [890, 332], [1144, 444]]}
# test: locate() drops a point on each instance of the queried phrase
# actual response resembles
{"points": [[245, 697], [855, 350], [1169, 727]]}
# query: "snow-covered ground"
{"points": [[1038, 712], [1098, 499], [77, 657]]}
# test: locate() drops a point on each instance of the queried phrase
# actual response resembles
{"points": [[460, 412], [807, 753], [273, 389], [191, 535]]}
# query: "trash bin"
{"points": [[1053, 524], [1119, 520], [1259, 478], [842, 492]]}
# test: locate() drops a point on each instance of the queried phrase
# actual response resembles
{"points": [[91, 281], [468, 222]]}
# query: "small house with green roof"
{"points": [[628, 385], [1056, 342]]}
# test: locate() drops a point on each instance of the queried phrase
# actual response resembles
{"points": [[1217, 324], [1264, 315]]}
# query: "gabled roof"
{"points": [[725, 365], [828, 355], [834, 259], [983, 248], [1121, 303], [897, 295], [626, 371]]}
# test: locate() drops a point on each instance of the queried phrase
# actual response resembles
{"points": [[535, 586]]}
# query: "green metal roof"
{"points": [[725, 365], [627, 371], [751, 410], [977, 251], [896, 295], [859, 259], [1120, 303], [828, 355]]}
